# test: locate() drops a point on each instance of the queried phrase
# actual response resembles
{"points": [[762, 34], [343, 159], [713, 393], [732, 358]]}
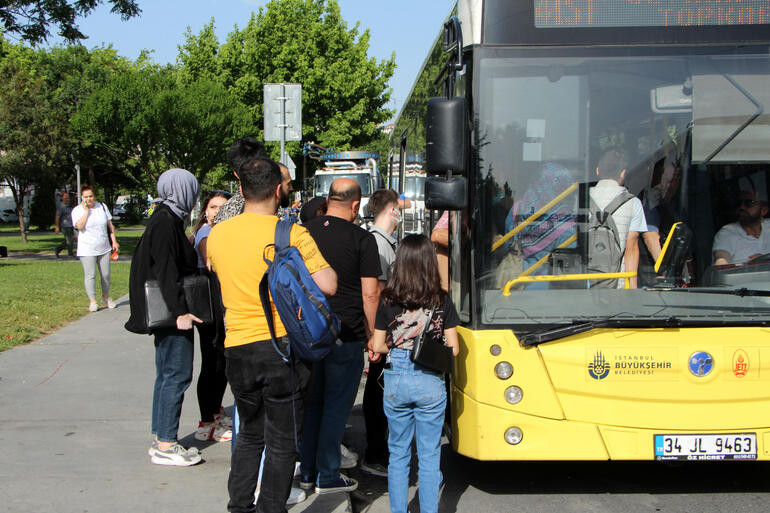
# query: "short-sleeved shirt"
{"points": [[64, 212], [352, 253], [402, 326], [93, 240], [235, 249], [733, 239], [629, 217], [202, 233], [386, 246]]}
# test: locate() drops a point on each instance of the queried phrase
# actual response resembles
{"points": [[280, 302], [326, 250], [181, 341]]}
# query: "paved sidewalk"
{"points": [[75, 428]]}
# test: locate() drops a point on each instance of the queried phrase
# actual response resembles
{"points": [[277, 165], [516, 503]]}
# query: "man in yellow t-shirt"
{"points": [[269, 394]]}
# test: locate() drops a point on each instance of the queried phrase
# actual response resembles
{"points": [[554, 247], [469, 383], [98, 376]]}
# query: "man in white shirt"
{"points": [[748, 238], [629, 217]]}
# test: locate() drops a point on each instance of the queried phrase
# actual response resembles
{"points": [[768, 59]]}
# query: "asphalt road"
{"points": [[577, 487]]}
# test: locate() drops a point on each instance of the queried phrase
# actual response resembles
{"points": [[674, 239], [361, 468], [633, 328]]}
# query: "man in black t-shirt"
{"points": [[352, 253]]}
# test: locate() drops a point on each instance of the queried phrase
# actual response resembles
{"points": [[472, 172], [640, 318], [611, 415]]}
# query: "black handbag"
{"points": [[197, 295], [431, 354]]}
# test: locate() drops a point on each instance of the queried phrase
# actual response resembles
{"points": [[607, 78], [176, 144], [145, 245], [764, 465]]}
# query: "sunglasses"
{"points": [[748, 203]]}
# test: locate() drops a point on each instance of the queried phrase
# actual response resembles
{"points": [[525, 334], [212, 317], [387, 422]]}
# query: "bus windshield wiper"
{"points": [[741, 292], [533, 339]]}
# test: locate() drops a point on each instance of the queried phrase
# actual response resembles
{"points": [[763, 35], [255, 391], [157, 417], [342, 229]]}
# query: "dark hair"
{"points": [[348, 194], [259, 178], [612, 163], [381, 199], [243, 150], [316, 207], [85, 187], [415, 282], [204, 205]]}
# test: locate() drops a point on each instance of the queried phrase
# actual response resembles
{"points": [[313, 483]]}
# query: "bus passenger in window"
{"points": [[659, 212], [629, 217], [545, 233], [747, 238]]}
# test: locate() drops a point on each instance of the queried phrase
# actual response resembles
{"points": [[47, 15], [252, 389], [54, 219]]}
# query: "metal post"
{"points": [[283, 123], [77, 172]]}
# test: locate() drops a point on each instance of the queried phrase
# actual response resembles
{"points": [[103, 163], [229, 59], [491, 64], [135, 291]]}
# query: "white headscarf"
{"points": [[179, 190]]}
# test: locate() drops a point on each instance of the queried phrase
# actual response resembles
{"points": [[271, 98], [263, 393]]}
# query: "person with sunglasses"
{"points": [[748, 237]]}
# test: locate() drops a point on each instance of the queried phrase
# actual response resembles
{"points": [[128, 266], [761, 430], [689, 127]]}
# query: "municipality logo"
{"points": [[599, 368]]}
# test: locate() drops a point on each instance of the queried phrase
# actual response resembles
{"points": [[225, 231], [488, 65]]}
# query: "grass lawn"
{"points": [[41, 296], [46, 242]]}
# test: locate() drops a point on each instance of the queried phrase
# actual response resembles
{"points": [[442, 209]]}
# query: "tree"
{"points": [[30, 19], [147, 119], [31, 127], [344, 92]]}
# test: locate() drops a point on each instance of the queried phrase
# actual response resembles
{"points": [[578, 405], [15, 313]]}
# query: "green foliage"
{"points": [[30, 19], [135, 207], [304, 41], [124, 122]]}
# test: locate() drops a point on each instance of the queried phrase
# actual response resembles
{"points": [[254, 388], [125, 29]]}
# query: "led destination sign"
{"points": [[649, 13]]}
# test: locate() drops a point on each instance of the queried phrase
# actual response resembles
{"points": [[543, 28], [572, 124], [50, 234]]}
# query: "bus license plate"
{"points": [[726, 446]]}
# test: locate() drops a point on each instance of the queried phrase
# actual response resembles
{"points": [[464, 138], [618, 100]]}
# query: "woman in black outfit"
{"points": [[165, 254]]}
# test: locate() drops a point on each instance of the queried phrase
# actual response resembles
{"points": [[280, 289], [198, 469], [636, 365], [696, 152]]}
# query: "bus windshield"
{"points": [[685, 131], [323, 182]]}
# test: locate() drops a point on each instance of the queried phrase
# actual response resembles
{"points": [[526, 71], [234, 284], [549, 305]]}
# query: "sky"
{"points": [[406, 27]]}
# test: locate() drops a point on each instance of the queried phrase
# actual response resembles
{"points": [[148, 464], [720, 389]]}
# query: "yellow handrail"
{"points": [[534, 267], [534, 216], [659, 261], [627, 275]]}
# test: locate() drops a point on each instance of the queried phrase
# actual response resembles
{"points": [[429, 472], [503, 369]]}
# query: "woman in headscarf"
{"points": [[165, 254]]}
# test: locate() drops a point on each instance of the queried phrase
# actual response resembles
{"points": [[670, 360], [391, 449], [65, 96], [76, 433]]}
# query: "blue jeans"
{"points": [[173, 374], [415, 399], [335, 383]]}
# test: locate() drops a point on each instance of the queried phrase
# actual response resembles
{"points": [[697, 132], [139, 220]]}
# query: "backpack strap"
{"points": [[379, 234], [618, 201], [282, 234]]}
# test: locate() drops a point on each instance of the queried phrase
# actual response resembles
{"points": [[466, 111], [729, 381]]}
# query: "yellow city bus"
{"points": [[515, 106]]}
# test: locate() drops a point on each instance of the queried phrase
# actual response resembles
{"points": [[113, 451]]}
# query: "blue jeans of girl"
{"points": [[414, 402], [173, 374]]}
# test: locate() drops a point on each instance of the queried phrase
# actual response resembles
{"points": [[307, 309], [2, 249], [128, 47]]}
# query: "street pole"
{"points": [[77, 172], [283, 123]]}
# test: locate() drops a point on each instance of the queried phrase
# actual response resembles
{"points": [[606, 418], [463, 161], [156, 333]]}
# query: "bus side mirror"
{"points": [[446, 135], [446, 193]]}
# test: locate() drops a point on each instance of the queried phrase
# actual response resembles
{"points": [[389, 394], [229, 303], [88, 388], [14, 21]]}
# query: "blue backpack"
{"points": [[304, 311]]}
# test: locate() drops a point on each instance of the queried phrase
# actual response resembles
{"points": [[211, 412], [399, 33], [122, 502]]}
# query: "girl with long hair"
{"points": [[214, 424], [415, 397]]}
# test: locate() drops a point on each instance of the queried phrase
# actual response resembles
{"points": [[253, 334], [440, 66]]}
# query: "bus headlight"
{"points": [[495, 350], [513, 435], [513, 395], [503, 370]]}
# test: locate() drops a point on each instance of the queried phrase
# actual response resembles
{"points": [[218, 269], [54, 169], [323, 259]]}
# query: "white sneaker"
{"points": [[348, 458], [110, 303], [347, 452], [346, 462], [93, 306], [213, 431], [176, 455], [296, 495], [224, 420]]}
